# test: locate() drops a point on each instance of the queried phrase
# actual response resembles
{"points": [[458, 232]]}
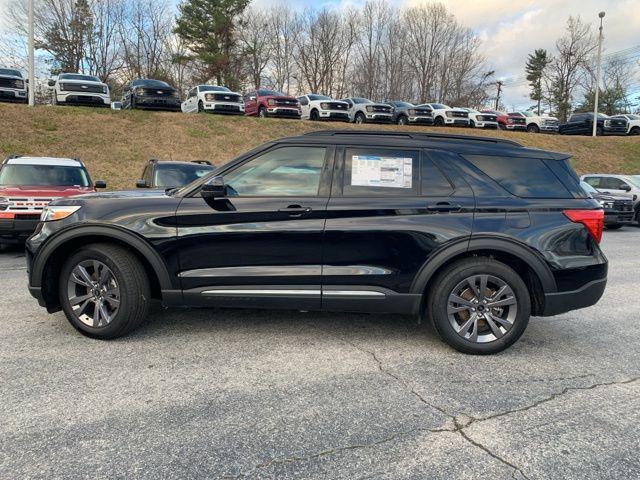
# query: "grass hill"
{"points": [[115, 145]]}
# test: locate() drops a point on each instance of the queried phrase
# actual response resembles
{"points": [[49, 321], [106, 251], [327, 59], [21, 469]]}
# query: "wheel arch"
{"points": [[530, 266], [49, 260]]}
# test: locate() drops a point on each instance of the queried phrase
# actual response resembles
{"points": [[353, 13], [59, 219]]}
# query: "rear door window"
{"points": [[612, 183], [593, 181], [433, 182], [523, 177], [381, 172]]}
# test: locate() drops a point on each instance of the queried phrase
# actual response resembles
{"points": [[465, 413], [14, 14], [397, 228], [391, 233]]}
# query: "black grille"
{"points": [[423, 112], [286, 102], [459, 114], [228, 108], [616, 122], [517, 121], [11, 83], [623, 205], [381, 109], [487, 118], [338, 106], [81, 87], [157, 92], [226, 97]]}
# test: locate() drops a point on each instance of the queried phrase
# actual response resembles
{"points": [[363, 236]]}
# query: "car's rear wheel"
{"points": [[104, 291], [479, 306]]}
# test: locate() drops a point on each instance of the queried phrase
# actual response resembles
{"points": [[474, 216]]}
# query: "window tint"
{"points": [[287, 171], [523, 177], [577, 118], [380, 172], [611, 183], [433, 182], [593, 181], [175, 175], [43, 175]]}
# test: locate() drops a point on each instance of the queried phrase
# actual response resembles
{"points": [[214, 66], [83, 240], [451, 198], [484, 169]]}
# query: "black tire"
{"points": [[451, 278], [132, 283], [360, 118], [132, 103], [635, 131], [472, 124], [533, 128], [262, 112], [438, 122], [614, 227], [599, 131], [502, 126], [314, 115], [402, 120], [200, 106]]}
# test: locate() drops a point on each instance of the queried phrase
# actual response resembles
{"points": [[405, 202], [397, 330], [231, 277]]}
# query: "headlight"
{"points": [[52, 213], [105, 89], [176, 94], [607, 123], [324, 106], [138, 90], [4, 203], [369, 109], [271, 101], [412, 111], [209, 97], [19, 84], [448, 113]]}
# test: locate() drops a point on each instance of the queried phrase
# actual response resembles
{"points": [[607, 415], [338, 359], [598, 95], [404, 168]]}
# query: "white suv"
{"points": [[617, 185], [78, 89], [321, 107], [12, 86], [480, 120], [540, 123], [633, 123], [445, 115], [363, 110], [211, 98]]}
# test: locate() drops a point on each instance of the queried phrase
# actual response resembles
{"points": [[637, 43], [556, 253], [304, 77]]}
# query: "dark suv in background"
{"points": [[153, 94], [582, 124], [405, 113], [474, 234]]}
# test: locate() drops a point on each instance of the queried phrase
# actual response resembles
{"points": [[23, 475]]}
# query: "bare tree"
{"points": [[283, 27], [103, 53], [255, 47]]}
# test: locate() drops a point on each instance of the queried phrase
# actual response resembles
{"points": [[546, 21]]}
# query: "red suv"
{"points": [[509, 121], [269, 103], [28, 184]]}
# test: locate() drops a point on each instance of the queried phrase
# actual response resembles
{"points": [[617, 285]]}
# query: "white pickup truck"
{"points": [[540, 123]]}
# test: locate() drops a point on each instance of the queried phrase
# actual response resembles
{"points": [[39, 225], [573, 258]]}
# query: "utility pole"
{"points": [[32, 82], [499, 83], [595, 102]]}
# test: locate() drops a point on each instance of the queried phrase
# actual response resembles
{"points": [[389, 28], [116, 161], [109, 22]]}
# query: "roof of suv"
{"points": [[56, 162], [459, 143]]}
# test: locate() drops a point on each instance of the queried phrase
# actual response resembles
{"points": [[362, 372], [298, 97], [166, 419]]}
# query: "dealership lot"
{"points": [[259, 394]]}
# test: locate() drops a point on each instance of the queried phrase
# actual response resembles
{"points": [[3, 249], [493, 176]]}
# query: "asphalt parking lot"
{"points": [[259, 394]]}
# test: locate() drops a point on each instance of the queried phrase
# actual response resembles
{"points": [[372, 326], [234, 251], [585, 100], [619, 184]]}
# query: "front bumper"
{"points": [[561, 302], [283, 112], [515, 127], [336, 115], [421, 120], [548, 128], [13, 95], [158, 103], [489, 125], [17, 230], [83, 99], [615, 217], [379, 117], [456, 122], [615, 130], [224, 108]]}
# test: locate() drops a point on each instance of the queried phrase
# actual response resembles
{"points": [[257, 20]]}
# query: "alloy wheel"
{"points": [[93, 293], [482, 308]]}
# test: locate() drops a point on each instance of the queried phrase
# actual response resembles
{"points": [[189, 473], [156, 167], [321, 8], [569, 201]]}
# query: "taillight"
{"points": [[593, 220]]}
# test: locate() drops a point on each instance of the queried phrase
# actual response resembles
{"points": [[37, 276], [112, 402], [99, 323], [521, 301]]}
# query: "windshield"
{"points": [[271, 93], [635, 179], [402, 104], [77, 76], [52, 175], [176, 175], [318, 97], [9, 71], [149, 83], [588, 188], [361, 100], [212, 88], [439, 106]]}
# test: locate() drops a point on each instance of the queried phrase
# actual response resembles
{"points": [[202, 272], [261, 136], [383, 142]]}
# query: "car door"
{"points": [[614, 185], [390, 210], [260, 245], [304, 107], [251, 103]]}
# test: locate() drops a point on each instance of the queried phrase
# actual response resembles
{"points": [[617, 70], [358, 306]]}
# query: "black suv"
{"points": [[152, 94], [476, 234], [172, 173], [582, 124], [405, 113]]}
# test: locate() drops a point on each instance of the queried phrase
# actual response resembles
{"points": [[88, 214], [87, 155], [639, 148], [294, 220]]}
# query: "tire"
{"points": [[360, 118], [614, 227], [262, 112], [314, 115], [472, 124], [533, 128], [502, 126], [402, 120], [599, 131], [513, 319], [132, 103], [635, 131], [200, 106], [124, 274], [439, 122]]}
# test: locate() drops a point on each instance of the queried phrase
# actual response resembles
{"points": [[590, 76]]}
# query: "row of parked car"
{"points": [[79, 89], [28, 184]]}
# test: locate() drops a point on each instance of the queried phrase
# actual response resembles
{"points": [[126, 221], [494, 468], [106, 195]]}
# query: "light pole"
{"points": [[32, 82], [595, 103]]}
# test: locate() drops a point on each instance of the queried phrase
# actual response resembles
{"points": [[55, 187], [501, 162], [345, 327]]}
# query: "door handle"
{"points": [[295, 210], [444, 207]]}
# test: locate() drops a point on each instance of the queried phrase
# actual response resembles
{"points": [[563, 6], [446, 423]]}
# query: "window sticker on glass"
{"points": [[374, 171]]}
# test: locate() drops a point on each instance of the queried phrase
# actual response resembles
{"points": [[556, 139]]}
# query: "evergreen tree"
{"points": [[207, 28], [534, 68]]}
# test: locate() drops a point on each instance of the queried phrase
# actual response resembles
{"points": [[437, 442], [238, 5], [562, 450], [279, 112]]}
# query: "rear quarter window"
{"points": [[522, 177]]}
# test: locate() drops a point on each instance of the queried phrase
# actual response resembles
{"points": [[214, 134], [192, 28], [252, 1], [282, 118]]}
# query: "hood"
{"points": [[13, 77], [127, 194], [81, 82], [610, 197], [42, 191]]}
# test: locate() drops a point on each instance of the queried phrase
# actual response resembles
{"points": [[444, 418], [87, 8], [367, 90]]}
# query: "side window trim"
{"points": [[430, 155]]}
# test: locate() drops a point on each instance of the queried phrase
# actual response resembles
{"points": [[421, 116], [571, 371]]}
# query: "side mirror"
{"points": [[100, 184], [215, 188], [625, 188], [141, 184], [51, 82]]}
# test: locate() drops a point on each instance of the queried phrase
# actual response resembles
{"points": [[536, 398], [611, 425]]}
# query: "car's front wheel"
{"points": [[360, 118], [200, 106], [533, 128], [479, 305], [262, 112], [104, 291], [403, 120]]}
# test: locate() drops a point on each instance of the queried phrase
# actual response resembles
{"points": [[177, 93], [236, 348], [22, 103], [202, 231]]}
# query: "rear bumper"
{"points": [[561, 302]]}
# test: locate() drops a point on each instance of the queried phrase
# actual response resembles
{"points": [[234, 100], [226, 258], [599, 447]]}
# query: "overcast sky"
{"points": [[510, 29]]}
